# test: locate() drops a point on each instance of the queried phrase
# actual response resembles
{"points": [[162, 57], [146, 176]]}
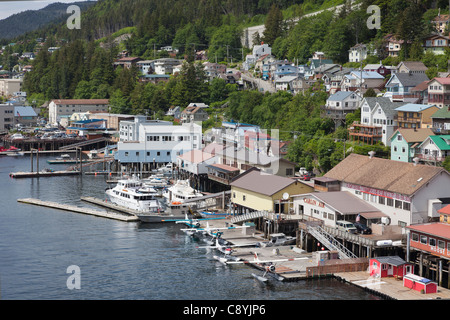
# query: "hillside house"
{"points": [[405, 142], [436, 44], [400, 84], [358, 53], [193, 114], [341, 103], [378, 121], [412, 115], [439, 92], [434, 149], [441, 121]]}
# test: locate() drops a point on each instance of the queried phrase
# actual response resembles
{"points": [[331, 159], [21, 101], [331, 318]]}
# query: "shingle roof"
{"points": [[414, 135], [263, 183], [411, 79], [383, 174]]}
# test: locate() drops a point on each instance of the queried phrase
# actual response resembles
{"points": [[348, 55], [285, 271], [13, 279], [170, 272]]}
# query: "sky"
{"points": [[8, 8]]}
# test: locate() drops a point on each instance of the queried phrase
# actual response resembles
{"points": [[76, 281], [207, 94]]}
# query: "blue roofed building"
{"points": [[25, 115]]}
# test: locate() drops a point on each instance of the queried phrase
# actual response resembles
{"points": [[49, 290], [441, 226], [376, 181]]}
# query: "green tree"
{"points": [[273, 25]]}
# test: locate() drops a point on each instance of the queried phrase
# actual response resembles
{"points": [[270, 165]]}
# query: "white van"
{"points": [[345, 226]]}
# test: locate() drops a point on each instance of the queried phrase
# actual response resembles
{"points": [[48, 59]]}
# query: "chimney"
{"points": [[371, 154], [416, 161]]}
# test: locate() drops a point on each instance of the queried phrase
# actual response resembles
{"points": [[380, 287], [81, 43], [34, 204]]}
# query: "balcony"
{"points": [[429, 158]]}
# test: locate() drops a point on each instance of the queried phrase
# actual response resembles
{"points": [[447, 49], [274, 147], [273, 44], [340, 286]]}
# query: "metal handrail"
{"points": [[331, 243]]}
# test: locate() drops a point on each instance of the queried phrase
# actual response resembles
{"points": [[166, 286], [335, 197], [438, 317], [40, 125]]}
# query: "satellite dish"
{"points": [[285, 196]]}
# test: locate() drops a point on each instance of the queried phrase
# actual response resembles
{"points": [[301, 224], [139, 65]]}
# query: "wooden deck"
{"points": [[389, 287], [83, 210]]}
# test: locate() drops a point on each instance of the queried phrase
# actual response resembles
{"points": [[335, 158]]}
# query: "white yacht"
{"points": [[180, 192], [132, 194]]}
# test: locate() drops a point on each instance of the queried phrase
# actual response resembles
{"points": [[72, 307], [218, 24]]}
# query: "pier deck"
{"points": [[42, 174], [83, 210], [389, 287]]}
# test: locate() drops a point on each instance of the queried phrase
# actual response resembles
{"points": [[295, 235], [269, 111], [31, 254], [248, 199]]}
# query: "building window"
{"points": [[381, 200], [414, 237], [148, 154], [289, 172], [432, 242], [243, 197], [158, 153], [390, 202], [441, 245], [423, 239], [406, 206], [137, 153], [398, 204], [126, 154]]}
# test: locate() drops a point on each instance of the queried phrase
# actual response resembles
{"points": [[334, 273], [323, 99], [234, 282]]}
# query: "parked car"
{"points": [[362, 228], [346, 226]]}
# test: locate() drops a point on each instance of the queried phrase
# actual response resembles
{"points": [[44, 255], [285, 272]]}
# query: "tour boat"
{"points": [[132, 194], [181, 191]]}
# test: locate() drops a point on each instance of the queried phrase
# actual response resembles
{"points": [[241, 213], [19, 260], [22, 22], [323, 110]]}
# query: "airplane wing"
{"points": [[266, 261]]}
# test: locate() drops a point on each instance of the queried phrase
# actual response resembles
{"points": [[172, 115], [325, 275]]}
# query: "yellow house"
{"points": [[256, 191]]}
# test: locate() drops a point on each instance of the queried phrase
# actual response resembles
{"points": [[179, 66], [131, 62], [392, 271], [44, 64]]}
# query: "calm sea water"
{"points": [[117, 260]]}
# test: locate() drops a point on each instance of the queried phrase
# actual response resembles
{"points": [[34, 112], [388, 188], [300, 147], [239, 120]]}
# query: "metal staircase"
{"points": [[250, 216], [331, 243]]}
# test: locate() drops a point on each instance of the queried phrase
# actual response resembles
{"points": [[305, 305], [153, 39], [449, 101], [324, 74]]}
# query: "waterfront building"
{"points": [[154, 142], [244, 159], [59, 108], [255, 190], [333, 206], [6, 116], [408, 193], [433, 238], [389, 266]]}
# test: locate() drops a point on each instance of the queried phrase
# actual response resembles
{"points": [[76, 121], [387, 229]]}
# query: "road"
{"points": [[250, 31]]}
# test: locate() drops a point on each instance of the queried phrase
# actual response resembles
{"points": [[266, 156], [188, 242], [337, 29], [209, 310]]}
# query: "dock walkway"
{"points": [[389, 287], [83, 210]]}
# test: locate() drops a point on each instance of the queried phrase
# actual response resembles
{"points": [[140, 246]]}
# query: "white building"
{"points": [[156, 141], [59, 108], [408, 193], [358, 53], [380, 112], [166, 65]]}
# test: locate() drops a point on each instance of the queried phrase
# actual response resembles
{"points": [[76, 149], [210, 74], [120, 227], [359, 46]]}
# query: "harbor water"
{"points": [[39, 248]]}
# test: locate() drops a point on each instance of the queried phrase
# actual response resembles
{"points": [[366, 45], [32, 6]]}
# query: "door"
{"points": [[390, 270], [300, 209]]}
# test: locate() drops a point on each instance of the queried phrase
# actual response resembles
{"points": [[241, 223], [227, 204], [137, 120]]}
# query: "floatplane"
{"points": [[208, 234], [267, 265], [227, 250]]}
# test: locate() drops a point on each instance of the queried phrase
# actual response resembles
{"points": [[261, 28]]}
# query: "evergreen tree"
{"points": [[273, 25]]}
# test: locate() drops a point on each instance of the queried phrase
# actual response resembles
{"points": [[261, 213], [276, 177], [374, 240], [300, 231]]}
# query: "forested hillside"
{"points": [[83, 67], [30, 20]]}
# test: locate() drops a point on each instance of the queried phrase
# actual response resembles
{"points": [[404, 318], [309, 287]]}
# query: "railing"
{"points": [[251, 215], [429, 157], [331, 243]]}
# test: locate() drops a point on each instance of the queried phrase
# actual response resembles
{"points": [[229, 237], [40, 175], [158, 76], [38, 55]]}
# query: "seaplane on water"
{"points": [[208, 234], [226, 250], [268, 266]]}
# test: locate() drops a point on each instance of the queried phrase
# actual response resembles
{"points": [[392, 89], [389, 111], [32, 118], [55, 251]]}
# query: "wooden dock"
{"points": [[40, 174], [88, 211], [389, 287]]}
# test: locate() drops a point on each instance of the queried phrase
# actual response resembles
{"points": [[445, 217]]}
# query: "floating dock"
{"points": [[88, 211], [35, 174], [389, 287], [150, 217]]}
